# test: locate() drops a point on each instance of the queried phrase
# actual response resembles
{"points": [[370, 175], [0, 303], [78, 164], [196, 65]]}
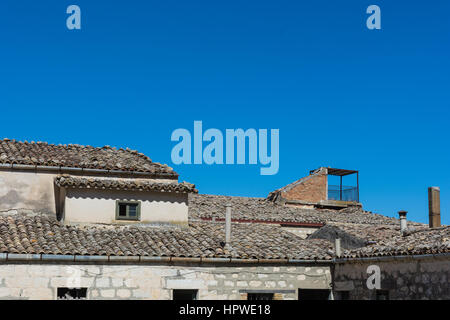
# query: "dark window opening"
{"points": [[122, 210], [71, 294], [128, 210], [342, 295], [313, 294], [382, 295], [260, 296], [182, 294]]}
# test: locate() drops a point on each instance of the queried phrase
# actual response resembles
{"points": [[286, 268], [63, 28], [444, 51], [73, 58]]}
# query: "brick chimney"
{"points": [[434, 207]]}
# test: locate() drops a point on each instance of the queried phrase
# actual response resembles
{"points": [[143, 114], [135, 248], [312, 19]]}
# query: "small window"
{"points": [[260, 296], [382, 295], [128, 210], [71, 294], [185, 294], [313, 294]]}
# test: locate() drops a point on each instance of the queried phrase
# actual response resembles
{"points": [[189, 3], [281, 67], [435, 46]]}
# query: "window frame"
{"points": [[127, 217]]}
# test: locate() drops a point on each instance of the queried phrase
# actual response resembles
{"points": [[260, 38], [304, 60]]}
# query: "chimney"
{"points": [[228, 225], [434, 207], [337, 245], [402, 216]]}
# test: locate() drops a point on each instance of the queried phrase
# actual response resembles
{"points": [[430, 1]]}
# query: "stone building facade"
{"points": [[159, 281], [405, 278]]}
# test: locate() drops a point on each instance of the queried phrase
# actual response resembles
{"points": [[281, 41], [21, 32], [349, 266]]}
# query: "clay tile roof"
{"points": [[388, 241], [364, 233], [68, 181], [369, 240], [203, 206], [77, 156], [43, 234]]}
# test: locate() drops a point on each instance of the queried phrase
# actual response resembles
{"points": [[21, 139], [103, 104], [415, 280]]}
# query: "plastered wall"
{"points": [[99, 206]]}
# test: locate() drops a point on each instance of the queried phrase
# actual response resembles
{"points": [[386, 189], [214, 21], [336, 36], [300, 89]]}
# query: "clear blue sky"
{"points": [[342, 95]]}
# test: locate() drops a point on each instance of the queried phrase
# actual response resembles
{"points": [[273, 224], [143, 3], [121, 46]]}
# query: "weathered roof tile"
{"points": [[203, 206], [200, 239], [68, 181], [77, 156]]}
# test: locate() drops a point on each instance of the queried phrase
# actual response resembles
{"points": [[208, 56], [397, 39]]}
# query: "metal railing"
{"points": [[344, 193]]}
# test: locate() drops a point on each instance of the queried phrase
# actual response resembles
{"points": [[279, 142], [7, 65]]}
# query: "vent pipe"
{"points": [[337, 245], [228, 225], [403, 225], [434, 207]]}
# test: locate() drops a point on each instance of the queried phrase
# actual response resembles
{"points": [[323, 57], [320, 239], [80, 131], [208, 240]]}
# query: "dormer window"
{"points": [[128, 210], [109, 200]]}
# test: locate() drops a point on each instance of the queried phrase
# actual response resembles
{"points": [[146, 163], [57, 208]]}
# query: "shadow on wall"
{"points": [[332, 233], [15, 199], [20, 190], [125, 195]]}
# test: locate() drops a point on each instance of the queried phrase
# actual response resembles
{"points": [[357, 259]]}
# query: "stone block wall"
{"points": [[405, 279], [222, 282]]}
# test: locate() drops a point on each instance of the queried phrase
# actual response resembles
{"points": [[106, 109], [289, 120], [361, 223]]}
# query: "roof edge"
{"points": [[62, 170], [18, 257], [393, 257]]}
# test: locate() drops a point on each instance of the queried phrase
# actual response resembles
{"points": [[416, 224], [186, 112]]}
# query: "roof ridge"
{"points": [[66, 145]]}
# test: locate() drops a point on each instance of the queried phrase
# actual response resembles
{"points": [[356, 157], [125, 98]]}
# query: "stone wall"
{"points": [[222, 281], [402, 279]]}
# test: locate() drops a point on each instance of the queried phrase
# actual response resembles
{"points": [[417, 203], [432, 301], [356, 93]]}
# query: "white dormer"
{"points": [[120, 200]]}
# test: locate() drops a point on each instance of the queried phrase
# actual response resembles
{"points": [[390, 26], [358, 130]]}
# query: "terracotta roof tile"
{"points": [[387, 241], [42, 234], [123, 184], [203, 206], [78, 156]]}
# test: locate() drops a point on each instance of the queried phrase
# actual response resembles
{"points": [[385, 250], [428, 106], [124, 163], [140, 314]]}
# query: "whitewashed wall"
{"points": [[99, 206]]}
